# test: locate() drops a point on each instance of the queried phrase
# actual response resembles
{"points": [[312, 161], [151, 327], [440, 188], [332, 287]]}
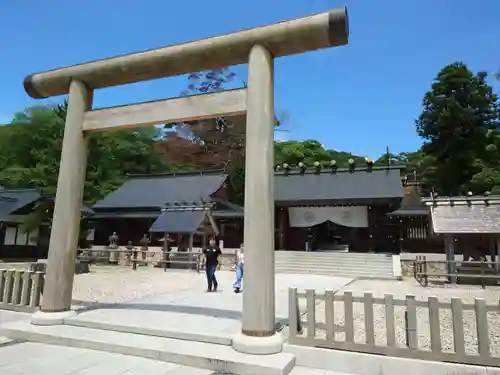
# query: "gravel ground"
{"points": [[112, 284], [400, 289]]}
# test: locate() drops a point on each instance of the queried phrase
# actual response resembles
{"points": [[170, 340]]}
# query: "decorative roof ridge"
{"points": [[200, 172], [330, 170], [188, 207]]}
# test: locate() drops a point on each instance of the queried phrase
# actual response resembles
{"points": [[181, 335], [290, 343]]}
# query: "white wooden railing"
{"points": [[371, 325], [20, 290]]}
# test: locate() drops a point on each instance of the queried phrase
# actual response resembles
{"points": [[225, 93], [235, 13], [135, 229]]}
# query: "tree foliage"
{"points": [[30, 150], [215, 143], [459, 124], [309, 151]]}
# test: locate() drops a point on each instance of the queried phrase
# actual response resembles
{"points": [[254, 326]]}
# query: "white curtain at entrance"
{"points": [[349, 216]]}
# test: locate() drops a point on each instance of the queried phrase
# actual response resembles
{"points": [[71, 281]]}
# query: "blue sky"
{"points": [[357, 98]]}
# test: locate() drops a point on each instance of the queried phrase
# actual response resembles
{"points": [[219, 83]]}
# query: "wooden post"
{"points": [[66, 220], [458, 325], [348, 317], [483, 342], [165, 255], [426, 271], [411, 322], [282, 229], [329, 316], [191, 240], [258, 319], [390, 320], [497, 254], [451, 267], [293, 313], [483, 283]]}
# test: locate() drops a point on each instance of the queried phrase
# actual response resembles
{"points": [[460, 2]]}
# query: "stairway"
{"points": [[356, 265]]}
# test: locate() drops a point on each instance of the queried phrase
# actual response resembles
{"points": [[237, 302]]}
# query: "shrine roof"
{"points": [[465, 215], [155, 191], [359, 185], [187, 221], [12, 200]]}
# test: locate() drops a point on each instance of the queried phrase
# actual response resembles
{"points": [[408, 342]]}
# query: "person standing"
{"points": [[309, 239], [212, 253], [240, 260]]}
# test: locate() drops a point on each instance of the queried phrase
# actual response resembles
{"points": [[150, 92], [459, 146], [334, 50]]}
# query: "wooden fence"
{"points": [[478, 272], [395, 334], [138, 256], [20, 290]]}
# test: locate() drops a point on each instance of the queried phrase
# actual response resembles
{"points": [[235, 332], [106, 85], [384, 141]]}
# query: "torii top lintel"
{"points": [[323, 30]]}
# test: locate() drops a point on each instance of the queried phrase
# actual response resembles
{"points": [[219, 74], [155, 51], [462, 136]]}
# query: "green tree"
{"points": [[30, 150], [458, 113], [308, 152]]}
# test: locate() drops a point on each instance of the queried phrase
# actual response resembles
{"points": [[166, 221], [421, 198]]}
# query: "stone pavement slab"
{"points": [[42, 359], [182, 352], [188, 309], [11, 316]]}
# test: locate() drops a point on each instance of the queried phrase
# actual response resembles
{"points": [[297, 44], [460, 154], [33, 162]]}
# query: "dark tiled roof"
{"points": [[157, 190], [178, 222], [85, 210], [15, 199], [461, 215], [342, 185]]}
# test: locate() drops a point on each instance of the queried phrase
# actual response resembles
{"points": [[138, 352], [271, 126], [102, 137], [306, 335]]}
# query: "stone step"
{"points": [[29, 358], [329, 263], [210, 338], [360, 274], [186, 353], [357, 265], [333, 264], [332, 255], [335, 271], [305, 255]]}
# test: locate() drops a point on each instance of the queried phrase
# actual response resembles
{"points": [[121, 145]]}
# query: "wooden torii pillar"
{"points": [[259, 47]]}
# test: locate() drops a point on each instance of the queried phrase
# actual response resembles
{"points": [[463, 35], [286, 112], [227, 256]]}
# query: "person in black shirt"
{"points": [[309, 239], [212, 253]]}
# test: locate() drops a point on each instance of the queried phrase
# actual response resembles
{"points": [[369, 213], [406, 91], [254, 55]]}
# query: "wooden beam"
{"points": [[304, 34], [189, 108]]}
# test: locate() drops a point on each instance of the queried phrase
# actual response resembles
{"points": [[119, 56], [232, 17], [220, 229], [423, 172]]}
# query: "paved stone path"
{"points": [[181, 303], [42, 359]]}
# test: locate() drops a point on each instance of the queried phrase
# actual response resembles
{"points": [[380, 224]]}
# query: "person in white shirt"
{"points": [[240, 260]]}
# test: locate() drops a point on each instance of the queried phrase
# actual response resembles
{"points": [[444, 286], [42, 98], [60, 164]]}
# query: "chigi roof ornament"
{"points": [[188, 206]]}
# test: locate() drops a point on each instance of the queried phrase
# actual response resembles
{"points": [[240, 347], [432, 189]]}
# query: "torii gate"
{"points": [[258, 46]]}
